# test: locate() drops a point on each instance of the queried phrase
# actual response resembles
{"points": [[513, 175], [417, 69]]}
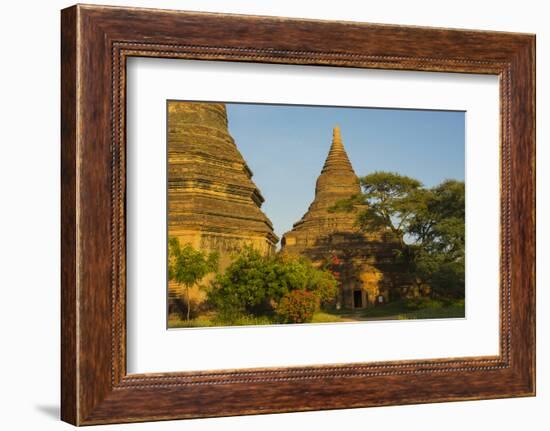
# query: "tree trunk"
{"points": [[188, 302]]}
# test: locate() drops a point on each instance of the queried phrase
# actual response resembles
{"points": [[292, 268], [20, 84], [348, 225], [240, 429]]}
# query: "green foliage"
{"points": [[448, 278], [421, 303], [245, 320], [445, 310], [248, 282], [188, 266], [417, 308], [440, 239], [429, 224], [439, 224], [297, 306], [212, 320], [321, 316], [423, 308], [254, 284], [299, 274], [389, 201]]}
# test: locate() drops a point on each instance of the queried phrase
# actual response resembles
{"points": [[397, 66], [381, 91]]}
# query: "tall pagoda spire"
{"points": [[366, 265], [337, 159], [338, 179], [336, 182]]}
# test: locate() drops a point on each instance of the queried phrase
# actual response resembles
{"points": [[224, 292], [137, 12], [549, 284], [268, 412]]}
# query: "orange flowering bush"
{"points": [[297, 306]]}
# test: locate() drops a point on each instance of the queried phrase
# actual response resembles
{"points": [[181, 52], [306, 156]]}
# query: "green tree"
{"points": [[245, 285], [439, 230], [254, 283], [429, 224], [298, 273], [188, 266], [388, 201]]}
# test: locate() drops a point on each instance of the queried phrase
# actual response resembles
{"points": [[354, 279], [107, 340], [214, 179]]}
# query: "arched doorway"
{"points": [[358, 300]]}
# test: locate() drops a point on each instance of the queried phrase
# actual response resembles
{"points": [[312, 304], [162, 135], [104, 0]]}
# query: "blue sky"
{"points": [[286, 146]]}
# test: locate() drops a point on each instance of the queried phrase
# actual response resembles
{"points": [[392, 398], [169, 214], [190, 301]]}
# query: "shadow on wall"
{"points": [[366, 269]]}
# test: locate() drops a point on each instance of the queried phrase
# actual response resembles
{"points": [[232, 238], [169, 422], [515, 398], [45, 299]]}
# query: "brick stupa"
{"points": [[363, 261], [213, 204]]}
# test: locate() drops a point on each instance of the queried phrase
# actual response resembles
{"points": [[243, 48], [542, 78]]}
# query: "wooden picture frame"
{"points": [[95, 43]]}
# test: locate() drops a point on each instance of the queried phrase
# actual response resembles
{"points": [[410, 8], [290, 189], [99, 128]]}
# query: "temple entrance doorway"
{"points": [[357, 299]]}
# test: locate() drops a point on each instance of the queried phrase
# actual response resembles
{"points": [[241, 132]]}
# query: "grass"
{"points": [[211, 320], [198, 322], [409, 309], [324, 317], [448, 312], [397, 310]]}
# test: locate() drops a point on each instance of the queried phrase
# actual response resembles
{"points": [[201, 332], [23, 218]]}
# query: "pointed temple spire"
{"points": [[336, 182], [367, 265], [337, 158]]}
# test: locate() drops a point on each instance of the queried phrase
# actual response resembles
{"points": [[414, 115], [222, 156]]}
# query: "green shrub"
{"points": [[254, 283], [297, 306], [423, 303], [247, 284]]}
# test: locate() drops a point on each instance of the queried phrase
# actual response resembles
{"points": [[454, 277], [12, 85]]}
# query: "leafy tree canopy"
{"points": [[388, 201], [253, 280], [188, 266], [429, 223]]}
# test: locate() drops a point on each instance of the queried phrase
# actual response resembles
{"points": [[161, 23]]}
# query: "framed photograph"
{"points": [[266, 215]]}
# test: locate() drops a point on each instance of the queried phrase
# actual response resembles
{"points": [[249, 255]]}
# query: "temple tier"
{"points": [[364, 262], [213, 204]]}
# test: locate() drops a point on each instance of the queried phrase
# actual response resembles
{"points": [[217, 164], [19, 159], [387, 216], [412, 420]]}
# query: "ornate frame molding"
{"points": [[96, 41]]}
